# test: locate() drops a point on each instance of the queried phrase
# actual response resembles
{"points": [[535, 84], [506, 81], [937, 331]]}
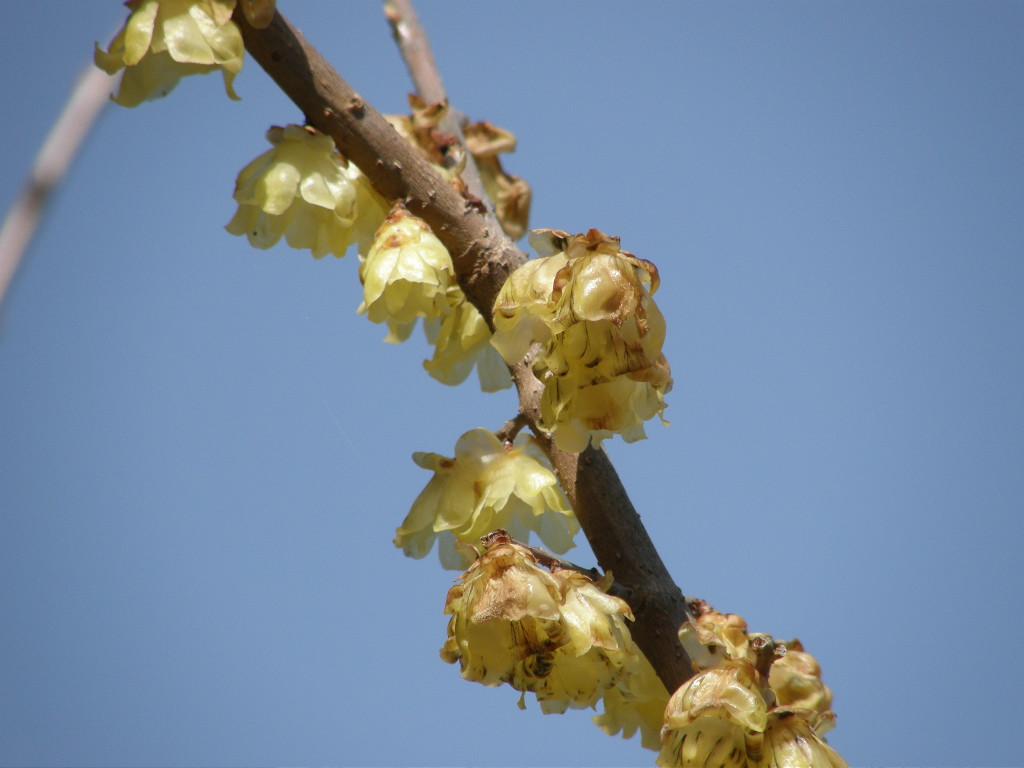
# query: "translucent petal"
{"points": [[138, 32]]}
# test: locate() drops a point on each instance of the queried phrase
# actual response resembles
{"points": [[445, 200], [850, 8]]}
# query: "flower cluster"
{"points": [[556, 634], [591, 307], [487, 485], [165, 40], [408, 274], [305, 191], [764, 705]]}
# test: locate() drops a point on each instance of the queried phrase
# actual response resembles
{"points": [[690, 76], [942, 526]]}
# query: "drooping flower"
{"points": [[763, 706], [790, 742], [589, 304], [406, 275], [635, 703], [303, 190], [556, 634], [165, 40], [795, 678], [709, 716], [486, 486], [461, 340]]}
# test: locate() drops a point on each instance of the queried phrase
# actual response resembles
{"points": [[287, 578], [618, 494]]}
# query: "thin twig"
{"points": [[507, 434], [414, 45], [90, 95], [483, 258]]}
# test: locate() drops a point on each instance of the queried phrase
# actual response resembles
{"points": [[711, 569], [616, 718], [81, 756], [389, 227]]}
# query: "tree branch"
{"points": [[90, 96], [483, 257], [419, 60]]}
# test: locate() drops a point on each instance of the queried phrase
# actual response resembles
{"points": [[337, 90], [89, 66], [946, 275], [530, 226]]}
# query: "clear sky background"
{"points": [[204, 452]]}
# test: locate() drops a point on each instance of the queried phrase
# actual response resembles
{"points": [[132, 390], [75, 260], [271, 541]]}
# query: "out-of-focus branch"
{"points": [[419, 60], [483, 257], [89, 97]]}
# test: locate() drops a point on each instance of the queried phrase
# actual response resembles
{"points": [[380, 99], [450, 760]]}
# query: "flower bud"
{"points": [[789, 742], [795, 679], [406, 274], [708, 718], [557, 635]]}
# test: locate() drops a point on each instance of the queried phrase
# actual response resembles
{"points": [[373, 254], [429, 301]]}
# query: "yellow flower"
{"points": [[486, 486], [505, 614], [708, 718], [165, 40], [589, 304], [727, 631], [790, 742], [578, 414], [795, 678], [461, 340], [635, 703], [303, 190], [523, 311], [558, 635], [406, 274]]}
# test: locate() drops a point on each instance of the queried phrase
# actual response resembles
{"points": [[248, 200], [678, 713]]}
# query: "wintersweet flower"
{"points": [[790, 742], [635, 703], [795, 678], [589, 305], [406, 275], [708, 718], [461, 340], [303, 190], [505, 619], [165, 40], [486, 486], [556, 634], [578, 414]]}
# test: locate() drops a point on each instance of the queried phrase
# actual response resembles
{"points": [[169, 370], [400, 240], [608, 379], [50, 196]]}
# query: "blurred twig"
{"points": [[90, 95]]}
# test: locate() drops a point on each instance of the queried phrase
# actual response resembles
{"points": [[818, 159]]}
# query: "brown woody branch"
{"points": [[483, 257]]}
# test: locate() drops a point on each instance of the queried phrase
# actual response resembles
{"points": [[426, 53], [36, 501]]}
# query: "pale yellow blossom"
{"points": [[406, 275], [165, 40], [590, 306], [304, 191], [461, 341], [555, 634], [486, 486]]}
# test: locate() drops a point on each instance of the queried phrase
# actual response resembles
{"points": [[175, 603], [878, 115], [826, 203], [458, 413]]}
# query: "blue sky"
{"points": [[204, 452]]}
